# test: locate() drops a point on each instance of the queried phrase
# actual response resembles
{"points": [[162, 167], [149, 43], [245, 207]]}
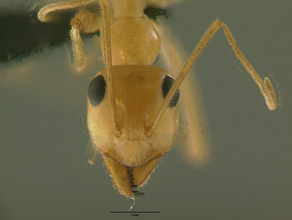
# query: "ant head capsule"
{"points": [[139, 92]]}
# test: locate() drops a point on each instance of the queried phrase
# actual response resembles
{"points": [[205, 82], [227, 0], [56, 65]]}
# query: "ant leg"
{"points": [[46, 13], [77, 45], [86, 21], [265, 86]]}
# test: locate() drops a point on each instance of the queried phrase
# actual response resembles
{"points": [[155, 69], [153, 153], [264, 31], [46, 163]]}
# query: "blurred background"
{"points": [[44, 143]]}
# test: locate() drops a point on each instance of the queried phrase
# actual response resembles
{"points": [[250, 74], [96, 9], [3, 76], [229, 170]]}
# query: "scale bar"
{"points": [[137, 212]]}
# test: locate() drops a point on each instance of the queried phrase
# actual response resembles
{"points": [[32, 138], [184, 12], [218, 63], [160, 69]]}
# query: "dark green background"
{"points": [[44, 142]]}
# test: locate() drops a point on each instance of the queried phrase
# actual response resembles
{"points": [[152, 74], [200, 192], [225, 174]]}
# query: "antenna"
{"points": [[265, 86], [108, 60]]}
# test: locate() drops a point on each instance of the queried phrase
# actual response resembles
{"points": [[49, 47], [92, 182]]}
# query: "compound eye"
{"points": [[166, 85], [96, 90]]}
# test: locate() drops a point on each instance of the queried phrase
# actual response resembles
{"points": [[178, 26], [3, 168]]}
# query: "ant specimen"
{"points": [[132, 106]]}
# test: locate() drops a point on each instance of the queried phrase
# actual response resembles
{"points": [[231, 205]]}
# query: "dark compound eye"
{"points": [[166, 85], [96, 90]]}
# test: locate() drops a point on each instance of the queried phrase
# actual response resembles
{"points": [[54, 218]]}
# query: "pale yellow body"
{"points": [[134, 40], [137, 89], [137, 93], [134, 119], [138, 97]]}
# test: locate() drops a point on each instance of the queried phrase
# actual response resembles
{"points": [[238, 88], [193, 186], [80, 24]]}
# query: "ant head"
{"points": [[138, 92]]}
